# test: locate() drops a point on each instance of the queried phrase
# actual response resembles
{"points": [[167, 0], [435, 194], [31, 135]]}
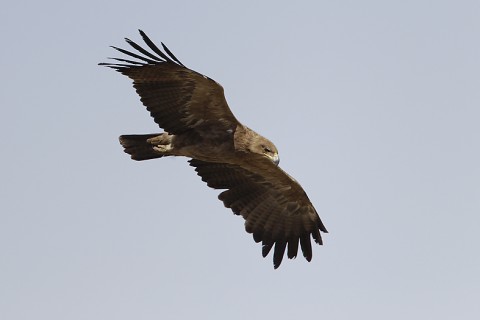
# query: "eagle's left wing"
{"points": [[276, 208], [178, 98]]}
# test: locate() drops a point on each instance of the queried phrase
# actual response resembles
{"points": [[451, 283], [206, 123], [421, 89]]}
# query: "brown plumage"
{"points": [[198, 124]]}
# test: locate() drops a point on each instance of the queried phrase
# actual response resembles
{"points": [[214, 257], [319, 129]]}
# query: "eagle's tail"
{"points": [[146, 146]]}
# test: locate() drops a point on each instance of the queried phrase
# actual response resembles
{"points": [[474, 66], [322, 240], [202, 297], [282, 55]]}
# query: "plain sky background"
{"points": [[374, 106]]}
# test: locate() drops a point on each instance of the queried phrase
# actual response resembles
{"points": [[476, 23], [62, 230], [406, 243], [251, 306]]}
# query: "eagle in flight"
{"points": [[198, 124]]}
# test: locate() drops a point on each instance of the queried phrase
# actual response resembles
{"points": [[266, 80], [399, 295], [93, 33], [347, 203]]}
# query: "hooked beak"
{"points": [[276, 159]]}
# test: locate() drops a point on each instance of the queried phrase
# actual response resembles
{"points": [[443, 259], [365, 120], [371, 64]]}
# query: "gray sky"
{"points": [[374, 106]]}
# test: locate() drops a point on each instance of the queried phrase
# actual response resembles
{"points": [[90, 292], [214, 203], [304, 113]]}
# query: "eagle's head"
{"points": [[267, 149], [247, 140]]}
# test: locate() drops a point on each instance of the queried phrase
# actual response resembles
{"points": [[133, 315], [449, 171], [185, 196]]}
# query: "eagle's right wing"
{"points": [[276, 209]]}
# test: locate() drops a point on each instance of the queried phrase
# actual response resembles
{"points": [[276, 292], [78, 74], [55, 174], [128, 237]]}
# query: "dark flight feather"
{"points": [[154, 47], [140, 49]]}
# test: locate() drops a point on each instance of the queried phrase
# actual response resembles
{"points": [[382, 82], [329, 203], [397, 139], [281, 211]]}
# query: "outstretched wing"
{"points": [[276, 208], [179, 99]]}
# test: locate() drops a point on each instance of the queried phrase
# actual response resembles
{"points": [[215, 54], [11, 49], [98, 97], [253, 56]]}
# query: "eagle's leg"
{"points": [[163, 149]]}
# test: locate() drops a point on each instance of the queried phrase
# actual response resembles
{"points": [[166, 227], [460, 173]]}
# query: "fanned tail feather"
{"points": [[138, 146]]}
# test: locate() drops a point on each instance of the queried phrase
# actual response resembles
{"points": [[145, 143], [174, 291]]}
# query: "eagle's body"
{"points": [[198, 124]]}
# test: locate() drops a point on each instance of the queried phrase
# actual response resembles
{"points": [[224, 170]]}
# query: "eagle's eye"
{"points": [[266, 149]]}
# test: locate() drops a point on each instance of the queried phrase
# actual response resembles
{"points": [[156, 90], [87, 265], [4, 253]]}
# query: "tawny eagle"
{"points": [[198, 124]]}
